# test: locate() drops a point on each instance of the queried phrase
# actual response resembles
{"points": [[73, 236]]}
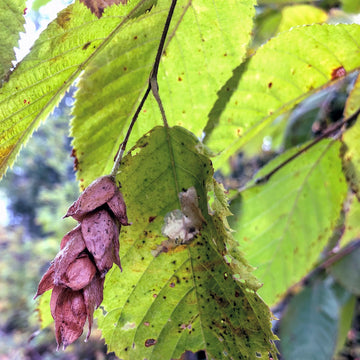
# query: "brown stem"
{"points": [[325, 134], [152, 86]]}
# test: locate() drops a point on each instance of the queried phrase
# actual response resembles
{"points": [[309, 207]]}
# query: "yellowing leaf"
{"points": [[61, 53], [11, 23], [196, 62], [190, 297], [281, 74], [284, 224]]}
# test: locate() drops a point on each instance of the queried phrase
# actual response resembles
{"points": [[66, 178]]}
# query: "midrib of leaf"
{"points": [[67, 81], [129, 297], [282, 232]]}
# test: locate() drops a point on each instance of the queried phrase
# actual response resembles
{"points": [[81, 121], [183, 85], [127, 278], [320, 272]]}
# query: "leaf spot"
{"points": [[150, 342], [338, 72], [86, 45]]}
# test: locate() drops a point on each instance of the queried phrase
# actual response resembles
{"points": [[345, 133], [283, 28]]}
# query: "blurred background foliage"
{"points": [[41, 186]]}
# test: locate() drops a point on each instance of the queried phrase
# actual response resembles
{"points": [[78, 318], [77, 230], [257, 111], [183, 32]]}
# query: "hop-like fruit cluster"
{"points": [[76, 275]]}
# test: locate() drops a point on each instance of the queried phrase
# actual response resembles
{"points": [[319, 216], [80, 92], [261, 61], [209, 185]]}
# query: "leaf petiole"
{"points": [[325, 134], [152, 86]]}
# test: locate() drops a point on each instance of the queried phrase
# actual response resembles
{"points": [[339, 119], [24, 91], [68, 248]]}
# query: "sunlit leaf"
{"points": [[206, 41], [291, 217], [351, 225], [11, 23], [351, 157], [188, 295], [58, 57], [280, 75], [297, 15], [44, 310]]}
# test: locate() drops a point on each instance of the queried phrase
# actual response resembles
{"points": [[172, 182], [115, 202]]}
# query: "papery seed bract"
{"points": [[79, 273], [93, 297], [71, 234], [70, 316], [98, 233], [47, 282], [95, 195], [74, 246], [118, 207]]}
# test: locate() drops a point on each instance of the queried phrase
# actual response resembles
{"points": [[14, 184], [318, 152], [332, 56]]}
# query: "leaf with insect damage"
{"points": [[61, 53], [196, 295], [196, 62]]}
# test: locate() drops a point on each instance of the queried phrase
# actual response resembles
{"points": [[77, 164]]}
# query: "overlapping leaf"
{"points": [[11, 23], [309, 327], [60, 54], [280, 75], [283, 225], [184, 297], [207, 39]]}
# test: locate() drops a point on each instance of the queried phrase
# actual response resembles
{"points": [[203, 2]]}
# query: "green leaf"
{"points": [[280, 75], [309, 327], [346, 271], [350, 6], [197, 61], [352, 216], [351, 157], [37, 4], [353, 101], [345, 321], [58, 57], [297, 15], [174, 295], [11, 23], [283, 225], [43, 310]]}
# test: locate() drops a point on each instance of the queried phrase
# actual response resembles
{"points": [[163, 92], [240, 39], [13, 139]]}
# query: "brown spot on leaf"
{"points": [[179, 78], [151, 218], [150, 342], [76, 160], [270, 84], [86, 45], [338, 72]]}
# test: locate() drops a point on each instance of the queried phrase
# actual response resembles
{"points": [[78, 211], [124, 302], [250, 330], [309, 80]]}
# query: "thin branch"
{"points": [[152, 86], [153, 76], [325, 134]]}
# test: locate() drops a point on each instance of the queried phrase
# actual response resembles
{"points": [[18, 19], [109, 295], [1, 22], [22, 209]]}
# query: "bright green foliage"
{"points": [[195, 304], [310, 326], [291, 217], [352, 216], [197, 61], [37, 4], [282, 73], [353, 101], [59, 55], [200, 293], [11, 23], [298, 15]]}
